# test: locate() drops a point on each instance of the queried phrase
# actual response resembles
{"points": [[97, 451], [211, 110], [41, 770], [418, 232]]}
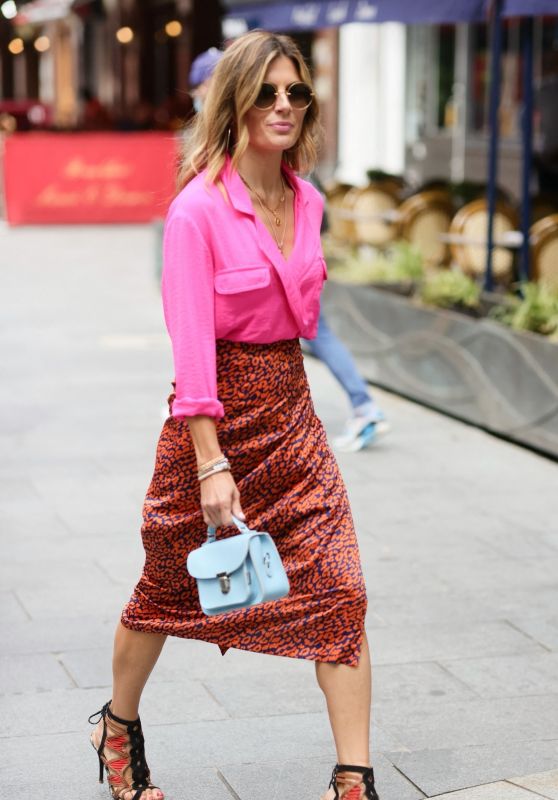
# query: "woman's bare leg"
{"points": [[135, 654], [348, 692]]}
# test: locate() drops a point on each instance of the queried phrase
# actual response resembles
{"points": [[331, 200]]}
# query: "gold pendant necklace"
{"points": [[280, 243], [273, 211]]}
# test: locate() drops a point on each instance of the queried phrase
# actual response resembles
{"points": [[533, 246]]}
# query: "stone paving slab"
{"points": [[418, 682], [252, 740], [261, 696], [508, 676], [20, 523], [447, 770], [429, 608], [456, 724], [493, 791], [33, 575], [400, 644], [67, 711], [180, 783], [11, 608], [48, 602], [57, 634], [544, 783], [523, 601], [543, 629], [307, 780], [32, 673]]}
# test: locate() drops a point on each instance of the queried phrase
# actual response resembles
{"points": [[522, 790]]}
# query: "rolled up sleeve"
{"points": [[189, 307]]}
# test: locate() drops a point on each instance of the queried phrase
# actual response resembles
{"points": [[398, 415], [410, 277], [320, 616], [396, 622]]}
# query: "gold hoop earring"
{"points": [[228, 144]]}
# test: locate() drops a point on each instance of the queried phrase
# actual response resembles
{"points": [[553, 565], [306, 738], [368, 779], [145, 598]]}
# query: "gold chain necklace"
{"points": [[262, 202], [280, 243], [266, 211]]}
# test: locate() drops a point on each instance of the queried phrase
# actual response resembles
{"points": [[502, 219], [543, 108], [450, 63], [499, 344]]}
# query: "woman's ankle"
{"points": [[122, 711]]}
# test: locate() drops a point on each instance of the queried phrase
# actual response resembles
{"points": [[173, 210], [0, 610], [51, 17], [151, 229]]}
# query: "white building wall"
{"points": [[371, 100]]}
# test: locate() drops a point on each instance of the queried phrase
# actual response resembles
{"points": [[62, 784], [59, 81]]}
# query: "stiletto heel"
{"points": [[121, 753], [348, 787], [101, 768]]}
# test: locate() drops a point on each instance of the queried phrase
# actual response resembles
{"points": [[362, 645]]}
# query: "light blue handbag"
{"points": [[237, 572]]}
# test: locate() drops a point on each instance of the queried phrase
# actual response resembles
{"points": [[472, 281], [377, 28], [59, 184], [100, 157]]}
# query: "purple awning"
{"points": [[297, 16], [530, 8]]}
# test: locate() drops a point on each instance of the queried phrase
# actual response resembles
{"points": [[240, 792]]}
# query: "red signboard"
{"points": [[88, 177]]}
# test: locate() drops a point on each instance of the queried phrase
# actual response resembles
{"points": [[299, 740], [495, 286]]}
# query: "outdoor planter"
{"points": [[474, 369]]}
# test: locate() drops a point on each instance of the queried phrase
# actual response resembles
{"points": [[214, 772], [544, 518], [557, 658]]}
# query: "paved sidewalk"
{"points": [[459, 539]]}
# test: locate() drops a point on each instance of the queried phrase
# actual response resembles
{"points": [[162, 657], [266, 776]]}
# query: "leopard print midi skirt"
{"points": [[289, 485]]}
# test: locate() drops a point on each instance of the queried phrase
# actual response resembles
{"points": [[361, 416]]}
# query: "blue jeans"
{"points": [[327, 347]]}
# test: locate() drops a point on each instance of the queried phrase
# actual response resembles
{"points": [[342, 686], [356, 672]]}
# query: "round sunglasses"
{"points": [[299, 95]]}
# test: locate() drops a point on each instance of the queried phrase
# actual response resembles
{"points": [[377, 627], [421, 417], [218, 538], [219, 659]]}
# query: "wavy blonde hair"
{"points": [[220, 128]]}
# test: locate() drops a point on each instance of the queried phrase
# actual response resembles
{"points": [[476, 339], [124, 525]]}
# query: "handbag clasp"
{"points": [[224, 582]]}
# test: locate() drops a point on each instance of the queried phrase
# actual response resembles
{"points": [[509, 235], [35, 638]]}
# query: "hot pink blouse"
{"points": [[225, 278]]}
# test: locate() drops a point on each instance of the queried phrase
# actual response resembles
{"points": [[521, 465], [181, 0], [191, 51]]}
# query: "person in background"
{"points": [[367, 420], [200, 75]]}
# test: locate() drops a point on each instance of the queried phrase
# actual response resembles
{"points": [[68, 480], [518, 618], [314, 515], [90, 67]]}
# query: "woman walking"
{"points": [[242, 276]]}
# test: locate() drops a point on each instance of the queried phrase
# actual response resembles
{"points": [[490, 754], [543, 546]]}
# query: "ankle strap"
{"points": [[352, 768], [106, 712], [121, 721]]}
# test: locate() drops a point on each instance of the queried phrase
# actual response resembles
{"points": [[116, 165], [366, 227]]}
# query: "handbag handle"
{"points": [[211, 530]]}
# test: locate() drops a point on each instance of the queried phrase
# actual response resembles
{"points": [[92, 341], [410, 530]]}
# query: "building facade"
{"points": [[105, 63]]}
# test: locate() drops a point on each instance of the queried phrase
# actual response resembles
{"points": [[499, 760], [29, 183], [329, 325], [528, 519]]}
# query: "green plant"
{"points": [[406, 261], [402, 263], [354, 269], [536, 310], [448, 288]]}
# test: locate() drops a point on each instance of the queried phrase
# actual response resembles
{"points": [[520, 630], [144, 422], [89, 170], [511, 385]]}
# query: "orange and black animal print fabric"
{"points": [[289, 485]]}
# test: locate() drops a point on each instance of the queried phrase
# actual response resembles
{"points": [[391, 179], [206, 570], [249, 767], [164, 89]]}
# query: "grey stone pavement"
{"points": [[459, 539]]}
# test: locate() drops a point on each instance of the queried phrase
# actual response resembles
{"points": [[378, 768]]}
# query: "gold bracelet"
{"points": [[210, 463], [223, 467], [216, 466]]}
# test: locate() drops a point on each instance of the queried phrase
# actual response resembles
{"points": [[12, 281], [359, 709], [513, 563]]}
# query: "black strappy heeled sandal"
{"points": [[353, 788], [121, 752]]}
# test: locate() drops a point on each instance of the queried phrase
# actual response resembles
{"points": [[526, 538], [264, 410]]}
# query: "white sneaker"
{"points": [[361, 431]]}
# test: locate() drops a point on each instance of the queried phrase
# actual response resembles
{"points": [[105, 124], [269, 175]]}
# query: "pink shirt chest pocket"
{"points": [[242, 279], [246, 299]]}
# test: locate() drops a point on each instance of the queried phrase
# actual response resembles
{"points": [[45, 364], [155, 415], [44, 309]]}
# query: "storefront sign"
{"points": [[88, 177]]}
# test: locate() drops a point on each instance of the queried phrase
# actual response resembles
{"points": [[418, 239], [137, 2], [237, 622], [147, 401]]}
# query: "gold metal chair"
{"points": [[423, 217], [544, 251], [468, 237]]}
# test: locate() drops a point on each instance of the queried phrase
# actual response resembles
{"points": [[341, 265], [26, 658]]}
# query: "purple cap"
{"points": [[203, 66]]}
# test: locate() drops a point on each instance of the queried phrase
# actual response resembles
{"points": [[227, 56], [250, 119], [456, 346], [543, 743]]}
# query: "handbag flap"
{"points": [[224, 555]]}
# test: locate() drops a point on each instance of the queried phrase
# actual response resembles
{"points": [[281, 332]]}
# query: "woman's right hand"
{"points": [[220, 499]]}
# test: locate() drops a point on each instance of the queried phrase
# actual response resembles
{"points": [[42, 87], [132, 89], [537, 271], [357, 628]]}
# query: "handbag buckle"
{"points": [[224, 582]]}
